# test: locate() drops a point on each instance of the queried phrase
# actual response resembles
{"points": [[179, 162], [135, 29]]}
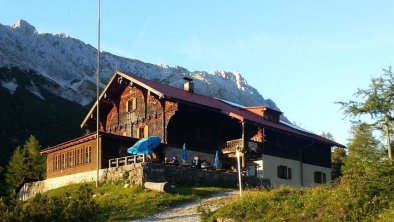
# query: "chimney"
{"points": [[188, 85]]}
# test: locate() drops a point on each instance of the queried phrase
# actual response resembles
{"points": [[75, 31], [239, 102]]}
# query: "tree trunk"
{"points": [[160, 187]]}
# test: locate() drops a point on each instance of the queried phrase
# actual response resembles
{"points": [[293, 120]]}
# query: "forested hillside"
{"points": [[50, 118]]}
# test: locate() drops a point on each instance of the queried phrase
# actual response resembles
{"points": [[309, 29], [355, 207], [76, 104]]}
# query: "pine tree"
{"points": [[369, 174], [35, 162], [25, 163], [16, 170], [378, 103], [364, 155]]}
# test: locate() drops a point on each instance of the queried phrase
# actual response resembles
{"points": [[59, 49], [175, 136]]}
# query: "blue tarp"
{"points": [[145, 145]]}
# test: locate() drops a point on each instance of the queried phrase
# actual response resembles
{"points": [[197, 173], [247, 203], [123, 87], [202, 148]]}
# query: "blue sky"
{"points": [[304, 55]]}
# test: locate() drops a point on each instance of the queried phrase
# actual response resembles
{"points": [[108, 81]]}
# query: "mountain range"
{"points": [[71, 64], [47, 82]]}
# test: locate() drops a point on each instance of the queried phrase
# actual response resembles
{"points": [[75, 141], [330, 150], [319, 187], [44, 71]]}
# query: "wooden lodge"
{"points": [[132, 107]]}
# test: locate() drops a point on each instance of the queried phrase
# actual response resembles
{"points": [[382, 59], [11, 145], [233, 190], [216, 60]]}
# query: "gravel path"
{"points": [[187, 212]]}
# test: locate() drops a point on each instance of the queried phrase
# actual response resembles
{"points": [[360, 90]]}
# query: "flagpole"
{"points": [[97, 97]]}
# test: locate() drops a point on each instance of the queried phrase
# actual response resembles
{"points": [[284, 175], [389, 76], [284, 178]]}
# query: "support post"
{"points": [[239, 173], [243, 143]]}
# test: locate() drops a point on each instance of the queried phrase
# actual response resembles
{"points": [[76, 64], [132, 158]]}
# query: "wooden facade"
{"points": [[80, 155], [76, 158], [132, 107], [133, 111]]}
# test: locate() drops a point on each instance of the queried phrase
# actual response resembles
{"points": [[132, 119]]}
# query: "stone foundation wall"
{"points": [[137, 174], [130, 174], [30, 189], [188, 176]]}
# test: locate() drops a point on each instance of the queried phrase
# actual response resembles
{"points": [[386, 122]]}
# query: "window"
{"points": [[63, 161], [284, 172], [143, 131], [320, 177], [82, 160], [88, 154], [72, 158], [56, 162], [80, 157], [131, 105], [77, 154], [68, 160]]}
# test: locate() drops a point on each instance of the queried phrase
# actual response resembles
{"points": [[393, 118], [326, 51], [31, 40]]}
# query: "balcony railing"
{"points": [[121, 161], [232, 146]]}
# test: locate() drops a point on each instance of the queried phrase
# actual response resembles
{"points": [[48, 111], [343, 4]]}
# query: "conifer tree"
{"points": [[16, 169], [364, 153], [369, 173], [378, 103], [35, 162], [25, 163]]}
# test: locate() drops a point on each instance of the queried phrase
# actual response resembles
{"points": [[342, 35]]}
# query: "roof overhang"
{"points": [[83, 139]]}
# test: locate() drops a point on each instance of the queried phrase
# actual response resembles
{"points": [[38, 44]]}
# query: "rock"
{"points": [[125, 175]]}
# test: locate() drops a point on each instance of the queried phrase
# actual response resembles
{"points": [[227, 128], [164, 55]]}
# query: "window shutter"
{"points": [[278, 169], [288, 173], [134, 103], [316, 175], [146, 131], [324, 177]]}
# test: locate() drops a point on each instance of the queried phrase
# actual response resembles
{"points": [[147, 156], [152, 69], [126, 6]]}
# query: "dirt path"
{"points": [[187, 212]]}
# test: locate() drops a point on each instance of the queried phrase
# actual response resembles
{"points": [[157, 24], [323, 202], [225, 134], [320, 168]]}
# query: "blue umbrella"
{"points": [[145, 145], [216, 163], [184, 154]]}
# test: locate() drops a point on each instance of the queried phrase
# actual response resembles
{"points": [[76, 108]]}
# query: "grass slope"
{"points": [[322, 203], [121, 204]]}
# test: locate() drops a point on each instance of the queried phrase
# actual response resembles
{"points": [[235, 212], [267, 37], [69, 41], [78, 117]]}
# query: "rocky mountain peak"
{"points": [[71, 64], [24, 26]]}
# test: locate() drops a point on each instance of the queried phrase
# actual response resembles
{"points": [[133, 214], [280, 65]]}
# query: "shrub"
{"points": [[77, 207]]}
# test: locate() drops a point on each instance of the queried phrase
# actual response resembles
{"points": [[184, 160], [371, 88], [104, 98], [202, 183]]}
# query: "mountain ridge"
{"points": [[71, 63]]}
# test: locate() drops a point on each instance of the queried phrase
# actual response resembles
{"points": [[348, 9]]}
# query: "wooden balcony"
{"points": [[232, 146]]}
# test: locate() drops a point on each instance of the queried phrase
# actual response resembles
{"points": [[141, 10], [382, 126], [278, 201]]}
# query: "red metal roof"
{"points": [[236, 112], [69, 143], [79, 140]]}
